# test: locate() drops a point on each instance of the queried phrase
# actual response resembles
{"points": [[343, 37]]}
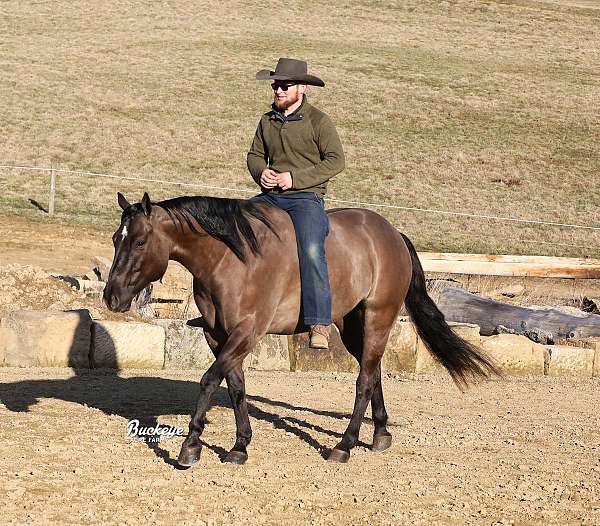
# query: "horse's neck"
{"points": [[200, 254]]}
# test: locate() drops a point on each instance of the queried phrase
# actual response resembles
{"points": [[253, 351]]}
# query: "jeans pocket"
{"points": [[318, 198]]}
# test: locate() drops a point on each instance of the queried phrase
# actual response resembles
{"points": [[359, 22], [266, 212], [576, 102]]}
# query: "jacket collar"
{"points": [[297, 115]]}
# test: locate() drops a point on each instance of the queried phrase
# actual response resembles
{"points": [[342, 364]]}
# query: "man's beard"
{"points": [[286, 103]]}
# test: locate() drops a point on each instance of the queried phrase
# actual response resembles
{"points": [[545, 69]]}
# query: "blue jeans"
{"points": [[307, 210]]}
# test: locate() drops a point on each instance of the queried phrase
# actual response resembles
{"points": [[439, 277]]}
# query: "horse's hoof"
{"points": [[189, 455], [338, 455], [381, 443], [236, 457]]}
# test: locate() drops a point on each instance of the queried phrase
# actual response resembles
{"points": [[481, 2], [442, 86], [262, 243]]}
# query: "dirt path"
{"points": [[52, 246], [521, 451]]}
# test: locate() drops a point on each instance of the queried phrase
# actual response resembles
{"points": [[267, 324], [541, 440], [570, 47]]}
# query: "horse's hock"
{"points": [[73, 339]]}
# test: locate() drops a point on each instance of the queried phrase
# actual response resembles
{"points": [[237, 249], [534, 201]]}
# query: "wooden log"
{"points": [[509, 258], [494, 317], [506, 265]]}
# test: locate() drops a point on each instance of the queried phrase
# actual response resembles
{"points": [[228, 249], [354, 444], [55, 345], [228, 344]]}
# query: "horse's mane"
{"points": [[222, 218]]}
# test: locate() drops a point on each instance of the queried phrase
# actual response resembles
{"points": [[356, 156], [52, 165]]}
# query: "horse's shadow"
{"points": [[147, 398]]}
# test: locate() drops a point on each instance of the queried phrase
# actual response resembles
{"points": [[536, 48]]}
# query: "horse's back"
{"points": [[367, 261], [355, 234]]}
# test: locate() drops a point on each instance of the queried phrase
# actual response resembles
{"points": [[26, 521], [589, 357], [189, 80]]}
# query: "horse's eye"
{"points": [[140, 243]]}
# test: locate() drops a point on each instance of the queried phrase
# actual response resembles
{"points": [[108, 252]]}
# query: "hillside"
{"points": [[485, 107]]}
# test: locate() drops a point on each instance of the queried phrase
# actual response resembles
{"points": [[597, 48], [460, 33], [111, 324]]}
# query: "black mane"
{"points": [[222, 218]]}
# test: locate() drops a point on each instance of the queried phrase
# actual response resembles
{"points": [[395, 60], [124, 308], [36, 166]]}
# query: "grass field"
{"points": [[476, 106]]}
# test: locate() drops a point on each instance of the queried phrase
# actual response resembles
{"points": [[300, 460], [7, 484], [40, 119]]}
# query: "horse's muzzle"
{"points": [[114, 301]]}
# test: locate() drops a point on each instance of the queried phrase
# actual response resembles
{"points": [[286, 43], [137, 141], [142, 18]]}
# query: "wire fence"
{"points": [[360, 204], [53, 171]]}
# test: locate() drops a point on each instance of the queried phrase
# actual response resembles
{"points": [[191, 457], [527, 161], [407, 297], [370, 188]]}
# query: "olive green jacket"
{"points": [[305, 143]]}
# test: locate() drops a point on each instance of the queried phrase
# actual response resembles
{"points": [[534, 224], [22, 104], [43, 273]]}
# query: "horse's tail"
{"points": [[463, 361]]}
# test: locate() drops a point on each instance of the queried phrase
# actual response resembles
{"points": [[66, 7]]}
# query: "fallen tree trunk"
{"points": [[493, 317]]}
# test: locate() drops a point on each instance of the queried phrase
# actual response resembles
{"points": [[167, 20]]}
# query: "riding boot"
{"points": [[319, 336]]}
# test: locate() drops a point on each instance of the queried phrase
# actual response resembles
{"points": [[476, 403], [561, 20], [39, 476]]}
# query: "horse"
{"points": [[246, 283]]}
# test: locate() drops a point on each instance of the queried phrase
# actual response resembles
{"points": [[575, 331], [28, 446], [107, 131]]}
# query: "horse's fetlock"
{"points": [[192, 440]]}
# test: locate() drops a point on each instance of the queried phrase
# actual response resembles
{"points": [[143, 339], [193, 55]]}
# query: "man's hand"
{"points": [[269, 178], [284, 180]]}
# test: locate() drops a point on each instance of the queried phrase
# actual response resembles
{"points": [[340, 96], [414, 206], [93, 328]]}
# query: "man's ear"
{"points": [[146, 206], [123, 203]]}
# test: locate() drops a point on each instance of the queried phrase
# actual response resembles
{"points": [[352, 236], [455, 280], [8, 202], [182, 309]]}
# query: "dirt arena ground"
{"points": [[520, 452]]}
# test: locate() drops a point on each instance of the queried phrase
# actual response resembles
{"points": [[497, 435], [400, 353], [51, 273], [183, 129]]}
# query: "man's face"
{"points": [[286, 94]]}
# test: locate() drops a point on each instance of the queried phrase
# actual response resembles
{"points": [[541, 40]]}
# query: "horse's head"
{"points": [[141, 253]]}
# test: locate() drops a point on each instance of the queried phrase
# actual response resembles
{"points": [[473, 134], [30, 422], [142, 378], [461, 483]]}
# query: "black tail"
{"points": [[463, 361]]}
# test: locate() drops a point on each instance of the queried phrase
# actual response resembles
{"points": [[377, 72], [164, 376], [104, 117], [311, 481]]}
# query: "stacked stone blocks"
{"points": [[73, 339]]}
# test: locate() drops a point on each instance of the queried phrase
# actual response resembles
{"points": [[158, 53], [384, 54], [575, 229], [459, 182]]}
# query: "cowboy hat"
{"points": [[292, 70]]}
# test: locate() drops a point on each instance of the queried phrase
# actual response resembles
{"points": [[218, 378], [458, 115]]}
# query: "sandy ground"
{"points": [[520, 452], [52, 246]]}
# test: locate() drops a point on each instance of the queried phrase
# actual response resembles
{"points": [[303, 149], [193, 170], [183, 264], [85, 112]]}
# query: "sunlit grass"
{"points": [[482, 107]]}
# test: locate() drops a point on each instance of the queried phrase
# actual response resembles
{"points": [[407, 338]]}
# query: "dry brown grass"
{"points": [[439, 104]]}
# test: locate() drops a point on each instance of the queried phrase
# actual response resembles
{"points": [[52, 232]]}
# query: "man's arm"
{"points": [[257, 156], [332, 162]]}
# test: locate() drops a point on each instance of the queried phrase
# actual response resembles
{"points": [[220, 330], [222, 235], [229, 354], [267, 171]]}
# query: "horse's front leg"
{"points": [[239, 343], [236, 386]]}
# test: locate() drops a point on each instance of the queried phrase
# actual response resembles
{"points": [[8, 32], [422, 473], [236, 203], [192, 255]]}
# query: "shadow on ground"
{"points": [[147, 398], [100, 385]]}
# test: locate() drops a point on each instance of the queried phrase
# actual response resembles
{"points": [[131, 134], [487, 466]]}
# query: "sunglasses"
{"points": [[283, 86]]}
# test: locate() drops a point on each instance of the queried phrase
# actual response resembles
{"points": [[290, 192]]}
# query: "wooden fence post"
{"points": [[52, 189]]}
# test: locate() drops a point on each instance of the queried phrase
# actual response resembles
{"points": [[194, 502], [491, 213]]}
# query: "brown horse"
{"points": [[246, 284]]}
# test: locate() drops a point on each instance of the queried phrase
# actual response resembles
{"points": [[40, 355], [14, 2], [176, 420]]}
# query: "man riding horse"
{"points": [[295, 151], [246, 278]]}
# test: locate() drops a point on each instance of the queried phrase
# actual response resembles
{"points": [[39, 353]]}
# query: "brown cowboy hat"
{"points": [[292, 70]]}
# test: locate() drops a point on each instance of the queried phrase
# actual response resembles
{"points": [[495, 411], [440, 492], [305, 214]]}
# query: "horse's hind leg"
{"points": [[364, 391], [382, 438], [236, 387], [352, 335]]}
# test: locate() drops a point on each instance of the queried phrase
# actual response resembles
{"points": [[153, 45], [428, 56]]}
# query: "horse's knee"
{"points": [[365, 383]]}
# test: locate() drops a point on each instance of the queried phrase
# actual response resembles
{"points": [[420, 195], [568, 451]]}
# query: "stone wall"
{"points": [[73, 339]]}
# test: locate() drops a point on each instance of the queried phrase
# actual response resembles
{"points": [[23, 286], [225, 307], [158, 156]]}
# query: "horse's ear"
{"points": [[123, 203], [146, 206]]}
